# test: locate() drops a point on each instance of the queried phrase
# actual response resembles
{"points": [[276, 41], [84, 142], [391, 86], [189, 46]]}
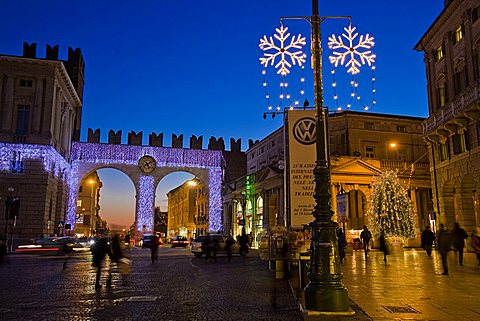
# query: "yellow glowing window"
{"points": [[439, 54], [458, 34]]}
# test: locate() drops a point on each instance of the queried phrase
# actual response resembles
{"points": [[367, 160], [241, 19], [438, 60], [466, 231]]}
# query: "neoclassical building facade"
{"points": [[362, 145], [451, 48]]}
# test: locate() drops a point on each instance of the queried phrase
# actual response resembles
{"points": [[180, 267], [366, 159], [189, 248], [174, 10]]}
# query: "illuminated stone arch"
{"points": [[205, 164]]}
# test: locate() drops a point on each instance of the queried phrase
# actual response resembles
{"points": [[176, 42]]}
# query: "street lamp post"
{"points": [[325, 291]]}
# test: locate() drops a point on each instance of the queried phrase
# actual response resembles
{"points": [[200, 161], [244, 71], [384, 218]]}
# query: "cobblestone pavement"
{"points": [[177, 287], [181, 287], [411, 287]]}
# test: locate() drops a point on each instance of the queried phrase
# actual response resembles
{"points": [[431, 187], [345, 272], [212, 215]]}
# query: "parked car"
{"points": [[52, 246], [179, 241], [196, 246]]}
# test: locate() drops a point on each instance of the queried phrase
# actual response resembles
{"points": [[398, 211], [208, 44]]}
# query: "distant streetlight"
{"points": [[393, 145]]}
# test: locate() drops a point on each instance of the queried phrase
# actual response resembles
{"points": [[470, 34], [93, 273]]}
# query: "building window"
{"points": [[401, 129], [26, 83], [458, 34], [460, 80], [273, 143], [442, 95], [459, 145], [475, 14], [402, 154], [368, 125], [370, 152], [23, 115], [478, 134], [444, 151], [476, 65], [79, 203], [439, 53]]}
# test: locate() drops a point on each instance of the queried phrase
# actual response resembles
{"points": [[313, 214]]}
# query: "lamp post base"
{"points": [[326, 299], [325, 291]]}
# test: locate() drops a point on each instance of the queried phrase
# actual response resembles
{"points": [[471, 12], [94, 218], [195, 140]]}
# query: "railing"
{"points": [[453, 108], [405, 167]]}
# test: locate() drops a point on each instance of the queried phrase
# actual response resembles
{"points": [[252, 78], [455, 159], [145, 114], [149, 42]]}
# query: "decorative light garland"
{"points": [[350, 51], [145, 205], [103, 155], [282, 52]]}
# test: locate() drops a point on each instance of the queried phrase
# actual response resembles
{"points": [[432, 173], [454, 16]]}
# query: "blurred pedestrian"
{"points": [[342, 243], [428, 237], [383, 247], [459, 236], [99, 250], [365, 237], [154, 248], [115, 257], [206, 247], [475, 243], [228, 247], [243, 244], [444, 242], [66, 250]]}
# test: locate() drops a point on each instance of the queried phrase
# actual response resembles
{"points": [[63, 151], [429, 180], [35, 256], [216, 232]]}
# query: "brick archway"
{"points": [[205, 164]]}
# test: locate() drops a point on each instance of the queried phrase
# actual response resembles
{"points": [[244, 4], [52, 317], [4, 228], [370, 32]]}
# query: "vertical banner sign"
{"points": [[342, 208], [301, 153]]}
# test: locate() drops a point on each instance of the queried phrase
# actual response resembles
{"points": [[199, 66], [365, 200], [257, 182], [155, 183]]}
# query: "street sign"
{"points": [[68, 226], [61, 224]]}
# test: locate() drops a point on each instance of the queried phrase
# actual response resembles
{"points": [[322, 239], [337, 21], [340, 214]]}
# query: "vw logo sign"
{"points": [[304, 130]]}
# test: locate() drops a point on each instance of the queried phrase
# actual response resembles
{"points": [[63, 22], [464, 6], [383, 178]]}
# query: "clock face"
{"points": [[147, 164]]}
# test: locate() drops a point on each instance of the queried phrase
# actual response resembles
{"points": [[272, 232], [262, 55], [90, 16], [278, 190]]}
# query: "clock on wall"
{"points": [[147, 164]]}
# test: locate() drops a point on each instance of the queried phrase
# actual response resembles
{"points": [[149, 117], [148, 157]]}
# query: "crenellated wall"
{"points": [[156, 140]]}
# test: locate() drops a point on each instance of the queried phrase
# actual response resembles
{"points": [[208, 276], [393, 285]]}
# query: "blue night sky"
{"points": [[192, 67]]}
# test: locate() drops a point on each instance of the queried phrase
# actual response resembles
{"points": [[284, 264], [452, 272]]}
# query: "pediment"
{"points": [[354, 166], [266, 173]]}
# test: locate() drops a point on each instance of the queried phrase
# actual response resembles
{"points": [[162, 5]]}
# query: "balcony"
{"points": [[460, 104], [406, 167]]}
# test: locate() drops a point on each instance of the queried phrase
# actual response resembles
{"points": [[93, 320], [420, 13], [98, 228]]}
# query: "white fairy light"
{"points": [[352, 51], [283, 51]]}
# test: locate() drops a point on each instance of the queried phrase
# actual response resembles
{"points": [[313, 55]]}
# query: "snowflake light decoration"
{"points": [[351, 50], [282, 51]]}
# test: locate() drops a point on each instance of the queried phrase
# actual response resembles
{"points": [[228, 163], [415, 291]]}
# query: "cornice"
{"points": [[438, 24], [59, 67]]}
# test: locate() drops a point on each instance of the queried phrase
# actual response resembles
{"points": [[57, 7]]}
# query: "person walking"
{"points": [[99, 250], [444, 241], [383, 247], [243, 244], [116, 255], [342, 243], [428, 237], [365, 237], [475, 243], [66, 250], [228, 247], [206, 247], [214, 248], [459, 236], [154, 248]]}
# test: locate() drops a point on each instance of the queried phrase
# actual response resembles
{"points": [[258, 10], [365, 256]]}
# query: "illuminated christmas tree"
{"points": [[391, 210]]}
